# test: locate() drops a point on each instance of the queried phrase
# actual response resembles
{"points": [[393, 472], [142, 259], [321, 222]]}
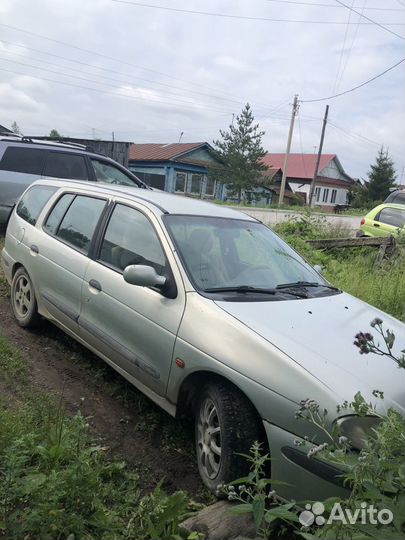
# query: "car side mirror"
{"points": [[143, 276]]}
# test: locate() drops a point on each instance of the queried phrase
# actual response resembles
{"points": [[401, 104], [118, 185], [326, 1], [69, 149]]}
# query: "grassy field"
{"points": [[57, 482], [355, 270]]}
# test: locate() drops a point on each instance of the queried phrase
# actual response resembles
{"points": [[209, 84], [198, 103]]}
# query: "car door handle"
{"points": [[34, 249], [376, 224], [94, 284]]}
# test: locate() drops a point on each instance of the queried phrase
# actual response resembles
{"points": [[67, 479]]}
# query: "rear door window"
{"points": [[66, 165], [392, 216], [80, 221], [33, 201], [23, 160]]}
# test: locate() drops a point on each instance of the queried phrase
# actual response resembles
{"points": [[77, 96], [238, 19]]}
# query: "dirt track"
{"points": [[135, 429]]}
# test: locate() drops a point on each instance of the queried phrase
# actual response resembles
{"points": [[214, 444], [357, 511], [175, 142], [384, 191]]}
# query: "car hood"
{"points": [[318, 334]]}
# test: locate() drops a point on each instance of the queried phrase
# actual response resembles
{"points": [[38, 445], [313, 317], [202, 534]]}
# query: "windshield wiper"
{"points": [[305, 284], [249, 288]]}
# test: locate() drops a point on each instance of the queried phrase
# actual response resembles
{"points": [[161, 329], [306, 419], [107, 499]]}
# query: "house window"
{"points": [[180, 186], [195, 184], [210, 187], [333, 196], [317, 194], [325, 195]]}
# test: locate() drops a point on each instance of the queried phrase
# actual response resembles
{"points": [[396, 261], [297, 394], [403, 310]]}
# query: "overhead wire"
{"points": [[317, 4], [342, 50], [240, 17], [384, 27], [116, 94], [112, 58], [355, 87], [130, 77], [346, 61]]}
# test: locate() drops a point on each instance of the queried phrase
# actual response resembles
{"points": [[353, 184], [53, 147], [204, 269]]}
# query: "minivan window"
{"points": [[57, 213], [23, 160], [392, 216], [78, 225], [33, 201], [131, 239], [105, 172], [66, 165]]}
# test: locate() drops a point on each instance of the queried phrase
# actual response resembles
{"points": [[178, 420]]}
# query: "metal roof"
{"points": [[161, 151]]}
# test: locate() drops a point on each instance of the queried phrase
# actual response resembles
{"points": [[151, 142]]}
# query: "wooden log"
{"points": [[352, 242]]}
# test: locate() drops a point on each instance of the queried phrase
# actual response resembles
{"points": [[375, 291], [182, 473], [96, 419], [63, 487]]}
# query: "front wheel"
{"points": [[225, 425], [23, 299]]}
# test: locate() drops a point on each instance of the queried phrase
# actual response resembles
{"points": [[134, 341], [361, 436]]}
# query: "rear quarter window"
{"points": [[66, 165], [33, 201], [23, 160]]}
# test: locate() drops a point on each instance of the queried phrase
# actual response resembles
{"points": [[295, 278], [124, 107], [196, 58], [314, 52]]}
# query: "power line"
{"points": [[346, 61], [296, 2], [342, 52], [131, 81], [355, 87], [370, 20], [115, 94], [114, 59], [240, 17]]}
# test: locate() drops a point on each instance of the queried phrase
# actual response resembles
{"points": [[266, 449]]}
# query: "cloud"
{"points": [[173, 72]]}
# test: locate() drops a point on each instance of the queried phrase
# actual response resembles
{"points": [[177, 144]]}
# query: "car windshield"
{"points": [[223, 253]]}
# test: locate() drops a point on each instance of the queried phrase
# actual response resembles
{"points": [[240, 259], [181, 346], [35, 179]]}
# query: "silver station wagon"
{"points": [[206, 311]]}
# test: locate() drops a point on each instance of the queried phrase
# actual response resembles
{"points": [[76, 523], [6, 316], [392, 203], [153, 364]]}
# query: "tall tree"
{"points": [[381, 176], [54, 133], [241, 152], [15, 128]]}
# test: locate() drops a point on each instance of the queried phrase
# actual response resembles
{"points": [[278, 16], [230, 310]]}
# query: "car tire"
{"points": [[226, 425], [23, 301]]}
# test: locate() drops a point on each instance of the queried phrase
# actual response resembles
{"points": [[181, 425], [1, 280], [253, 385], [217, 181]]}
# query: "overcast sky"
{"points": [[148, 74]]}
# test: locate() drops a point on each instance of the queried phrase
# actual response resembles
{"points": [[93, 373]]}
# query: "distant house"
{"points": [[332, 184], [176, 167]]}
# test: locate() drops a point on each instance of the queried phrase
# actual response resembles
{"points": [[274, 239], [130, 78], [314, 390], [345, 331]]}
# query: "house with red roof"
{"points": [[332, 184], [180, 168]]}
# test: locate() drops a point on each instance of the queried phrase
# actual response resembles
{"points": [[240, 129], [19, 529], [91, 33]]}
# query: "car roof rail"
{"points": [[52, 142]]}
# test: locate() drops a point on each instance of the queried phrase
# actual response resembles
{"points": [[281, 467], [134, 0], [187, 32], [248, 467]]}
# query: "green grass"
{"points": [[57, 482], [355, 270]]}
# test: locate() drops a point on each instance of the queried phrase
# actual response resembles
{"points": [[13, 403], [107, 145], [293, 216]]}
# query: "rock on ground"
{"points": [[216, 523]]}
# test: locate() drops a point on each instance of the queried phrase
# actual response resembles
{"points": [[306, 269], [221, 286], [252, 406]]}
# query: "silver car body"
{"points": [[276, 353]]}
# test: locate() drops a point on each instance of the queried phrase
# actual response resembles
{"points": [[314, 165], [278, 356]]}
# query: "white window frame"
{"points": [[185, 182], [333, 196], [190, 182], [325, 195], [214, 187], [317, 194]]}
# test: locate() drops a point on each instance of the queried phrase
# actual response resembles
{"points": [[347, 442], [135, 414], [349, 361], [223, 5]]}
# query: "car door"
{"points": [[389, 222], [135, 327], [61, 254]]}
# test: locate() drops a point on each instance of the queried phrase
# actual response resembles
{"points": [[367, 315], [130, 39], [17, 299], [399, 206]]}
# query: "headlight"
{"points": [[357, 429]]}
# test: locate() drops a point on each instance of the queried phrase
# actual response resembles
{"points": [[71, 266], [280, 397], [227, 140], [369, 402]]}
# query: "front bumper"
{"points": [[308, 478]]}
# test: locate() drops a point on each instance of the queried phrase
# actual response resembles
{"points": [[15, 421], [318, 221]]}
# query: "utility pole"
{"points": [[318, 159], [295, 108]]}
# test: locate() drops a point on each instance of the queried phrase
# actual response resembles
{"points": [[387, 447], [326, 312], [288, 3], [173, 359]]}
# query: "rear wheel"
{"points": [[225, 425], [23, 299]]}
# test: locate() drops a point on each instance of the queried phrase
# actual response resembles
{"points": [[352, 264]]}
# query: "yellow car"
{"points": [[383, 220]]}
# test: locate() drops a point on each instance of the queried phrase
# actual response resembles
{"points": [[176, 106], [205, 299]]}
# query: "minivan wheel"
{"points": [[23, 299], [225, 425]]}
